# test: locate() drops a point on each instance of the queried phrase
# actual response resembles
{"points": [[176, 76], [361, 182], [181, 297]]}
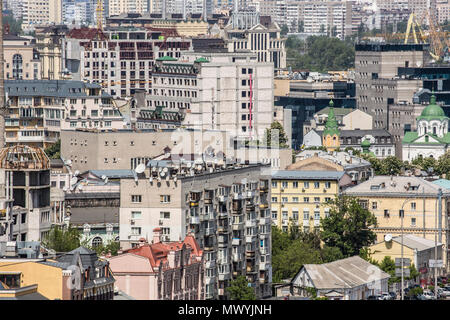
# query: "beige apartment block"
{"points": [[42, 12], [117, 7]]}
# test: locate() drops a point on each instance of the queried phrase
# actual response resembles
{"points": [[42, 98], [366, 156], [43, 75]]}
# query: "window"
{"points": [[23, 218], [136, 198], [284, 199], [327, 185], [305, 214], [401, 213], [295, 184], [274, 215], [165, 198], [17, 66], [295, 215], [136, 214], [316, 199], [12, 280], [316, 215], [294, 199], [274, 184], [306, 199], [97, 242], [164, 215], [306, 185], [413, 206], [316, 185], [374, 205], [136, 231], [284, 184], [274, 199], [386, 213], [413, 222]]}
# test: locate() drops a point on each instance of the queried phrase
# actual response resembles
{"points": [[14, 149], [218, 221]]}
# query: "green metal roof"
{"points": [[166, 58], [200, 60], [331, 126], [411, 137], [432, 111]]}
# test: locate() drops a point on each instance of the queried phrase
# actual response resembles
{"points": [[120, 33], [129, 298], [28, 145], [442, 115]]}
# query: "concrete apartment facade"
{"points": [[120, 60], [226, 209], [39, 109], [221, 91], [43, 12], [377, 83]]}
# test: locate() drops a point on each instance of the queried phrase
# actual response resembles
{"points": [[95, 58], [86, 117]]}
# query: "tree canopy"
{"points": [[54, 150], [239, 289], [62, 239], [348, 226], [322, 54], [276, 129], [15, 26]]}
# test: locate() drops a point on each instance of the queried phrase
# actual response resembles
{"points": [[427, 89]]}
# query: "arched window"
{"points": [[97, 242], [434, 130], [17, 66]]}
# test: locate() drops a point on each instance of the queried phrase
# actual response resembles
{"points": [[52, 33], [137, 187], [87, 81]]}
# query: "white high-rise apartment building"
{"points": [[42, 12], [117, 7], [217, 91]]}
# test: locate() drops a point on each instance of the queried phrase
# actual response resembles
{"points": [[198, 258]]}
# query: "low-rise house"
{"points": [[161, 270], [347, 279], [418, 249]]}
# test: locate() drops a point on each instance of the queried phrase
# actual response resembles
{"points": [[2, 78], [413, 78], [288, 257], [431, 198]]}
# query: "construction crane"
{"points": [[3, 107], [99, 11], [412, 25]]}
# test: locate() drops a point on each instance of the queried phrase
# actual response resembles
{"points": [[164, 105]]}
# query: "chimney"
{"points": [[157, 235]]}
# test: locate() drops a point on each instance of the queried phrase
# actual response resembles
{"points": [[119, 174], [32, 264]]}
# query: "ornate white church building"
{"points": [[432, 138]]}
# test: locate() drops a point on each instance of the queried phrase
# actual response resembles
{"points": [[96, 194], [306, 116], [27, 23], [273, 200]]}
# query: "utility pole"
{"points": [[2, 84]]}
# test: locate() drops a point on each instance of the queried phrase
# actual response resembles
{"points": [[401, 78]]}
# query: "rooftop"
{"points": [[307, 175], [395, 185], [417, 243], [343, 274]]}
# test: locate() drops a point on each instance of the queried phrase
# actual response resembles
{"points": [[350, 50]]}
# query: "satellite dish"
{"points": [[150, 179], [189, 164], [162, 174], [65, 189], [103, 177], [80, 187], [140, 168], [69, 162], [73, 180], [153, 169], [165, 169], [106, 180], [388, 237], [175, 179], [76, 173], [199, 167]]}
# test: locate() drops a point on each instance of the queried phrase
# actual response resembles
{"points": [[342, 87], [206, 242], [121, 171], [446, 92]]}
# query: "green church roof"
{"points": [[331, 126], [365, 143], [166, 58], [432, 111], [200, 60]]}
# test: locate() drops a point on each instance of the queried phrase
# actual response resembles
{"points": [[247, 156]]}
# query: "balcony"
{"points": [[306, 223], [263, 250], [210, 231], [250, 223], [263, 206], [193, 203], [208, 201], [224, 276], [250, 207], [194, 220], [316, 223], [250, 194], [210, 264], [222, 229], [264, 189], [238, 226], [264, 221], [222, 214], [251, 269], [223, 198], [264, 266], [237, 257], [236, 242]]}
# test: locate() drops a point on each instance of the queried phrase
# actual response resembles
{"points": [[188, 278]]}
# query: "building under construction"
{"points": [[25, 196], [121, 59]]}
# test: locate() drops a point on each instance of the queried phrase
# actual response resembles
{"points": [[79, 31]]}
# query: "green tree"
{"points": [[391, 165], [284, 30], [443, 165], [15, 26], [239, 289], [276, 129], [112, 247], [330, 254], [348, 226], [62, 239], [301, 26], [54, 150]]}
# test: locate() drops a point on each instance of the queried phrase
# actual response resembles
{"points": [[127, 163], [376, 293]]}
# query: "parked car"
{"points": [[393, 295], [385, 296], [374, 298], [429, 295]]}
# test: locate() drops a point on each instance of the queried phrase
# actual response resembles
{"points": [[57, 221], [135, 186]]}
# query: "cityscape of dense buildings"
{"points": [[159, 150]]}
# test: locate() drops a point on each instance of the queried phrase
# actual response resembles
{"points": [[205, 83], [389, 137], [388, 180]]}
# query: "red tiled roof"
{"points": [[157, 252], [86, 33]]}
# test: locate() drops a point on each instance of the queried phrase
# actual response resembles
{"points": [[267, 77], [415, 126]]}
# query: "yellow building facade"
{"points": [[300, 197], [386, 196], [49, 279]]}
